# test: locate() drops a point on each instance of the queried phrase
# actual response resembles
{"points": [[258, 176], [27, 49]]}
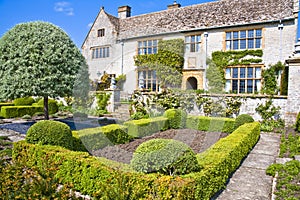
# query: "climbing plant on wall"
{"points": [[167, 62], [220, 60]]}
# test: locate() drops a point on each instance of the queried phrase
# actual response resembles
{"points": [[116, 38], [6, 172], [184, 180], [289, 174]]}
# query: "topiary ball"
{"points": [[167, 156], [176, 117], [242, 119], [50, 132]]}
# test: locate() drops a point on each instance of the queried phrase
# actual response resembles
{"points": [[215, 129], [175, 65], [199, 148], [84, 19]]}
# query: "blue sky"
{"points": [[73, 16]]}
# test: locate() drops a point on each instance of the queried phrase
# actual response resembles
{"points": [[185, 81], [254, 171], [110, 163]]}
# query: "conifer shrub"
{"points": [[24, 101], [166, 156], [176, 117], [242, 119], [48, 132]]}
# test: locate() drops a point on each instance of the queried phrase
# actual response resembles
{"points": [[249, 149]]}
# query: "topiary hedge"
{"points": [[144, 127], [100, 137], [52, 105], [167, 156], [176, 117], [51, 133], [19, 111], [242, 119], [24, 101], [212, 124]]}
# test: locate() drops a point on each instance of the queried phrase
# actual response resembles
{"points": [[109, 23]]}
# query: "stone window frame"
{"points": [[150, 81], [100, 52], [101, 32], [240, 39], [192, 42], [147, 46], [239, 80]]}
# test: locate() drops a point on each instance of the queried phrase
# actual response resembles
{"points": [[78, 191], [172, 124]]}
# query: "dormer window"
{"points": [[101, 32]]}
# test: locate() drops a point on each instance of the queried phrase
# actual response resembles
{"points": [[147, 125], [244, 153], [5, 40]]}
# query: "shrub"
{"points": [[144, 127], [52, 105], [166, 156], [77, 143], [50, 133], [25, 101], [297, 125], [6, 104], [176, 117], [19, 111], [242, 119]]}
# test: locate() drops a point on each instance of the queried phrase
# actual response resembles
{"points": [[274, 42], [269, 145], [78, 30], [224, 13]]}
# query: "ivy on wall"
{"points": [[270, 77], [222, 59], [167, 62]]}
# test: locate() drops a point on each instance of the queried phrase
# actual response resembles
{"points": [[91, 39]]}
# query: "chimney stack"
{"points": [[124, 12], [174, 5]]}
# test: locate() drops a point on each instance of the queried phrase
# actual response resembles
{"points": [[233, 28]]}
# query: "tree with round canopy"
{"points": [[40, 59]]}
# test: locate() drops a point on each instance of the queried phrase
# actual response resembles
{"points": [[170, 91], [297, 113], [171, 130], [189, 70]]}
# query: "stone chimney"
{"points": [[174, 5], [124, 12]]}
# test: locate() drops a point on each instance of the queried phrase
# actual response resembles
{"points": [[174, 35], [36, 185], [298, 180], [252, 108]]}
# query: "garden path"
{"points": [[250, 180]]}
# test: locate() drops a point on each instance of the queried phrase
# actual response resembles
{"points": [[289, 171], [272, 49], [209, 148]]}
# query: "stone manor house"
{"points": [[270, 25]]}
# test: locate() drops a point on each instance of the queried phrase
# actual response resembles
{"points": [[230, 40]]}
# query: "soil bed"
{"points": [[199, 141]]}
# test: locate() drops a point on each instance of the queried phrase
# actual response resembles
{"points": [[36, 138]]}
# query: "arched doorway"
{"points": [[191, 83]]}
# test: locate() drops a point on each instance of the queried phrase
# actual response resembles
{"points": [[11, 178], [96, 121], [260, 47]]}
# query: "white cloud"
{"points": [[64, 7]]}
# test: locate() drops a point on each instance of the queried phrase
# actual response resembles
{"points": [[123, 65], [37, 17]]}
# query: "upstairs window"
{"points": [[244, 39], [147, 47], [100, 52], [101, 32], [192, 43]]}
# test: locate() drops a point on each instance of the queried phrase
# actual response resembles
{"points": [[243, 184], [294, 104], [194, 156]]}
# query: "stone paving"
{"points": [[250, 180]]}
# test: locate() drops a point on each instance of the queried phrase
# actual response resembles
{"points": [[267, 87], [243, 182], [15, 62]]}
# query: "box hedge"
{"points": [[212, 124], [144, 127], [19, 111], [176, 118], [100, 137], [106, 179], [23, 101]]}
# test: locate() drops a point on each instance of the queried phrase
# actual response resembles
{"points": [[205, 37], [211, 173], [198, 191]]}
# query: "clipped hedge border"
{"points": [[100, 137], [212, 124], [95, 176], [144, 127], [19, 111]]}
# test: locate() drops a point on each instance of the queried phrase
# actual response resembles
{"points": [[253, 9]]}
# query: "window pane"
{"points": [[187, 47], [257, 72], [107, 51], [140, 51], [144, 51], [242, 44], [242, 86], [140, 44], [250, 33], [228, 45], [149, 50], [235, 73], [235, 44], [154, 50], [154, 42], [228, 86], [197, 47], [198, 38], [243, 34], [97, 53], [228, 73], [250, 72], [235, 35], [257, 86], [258, 33], [258, 43], [187, 39], [150, 43], [144, 43], [228, 36], [250, 43], [234, 86], [249, 86], [193, 38], [193, 47], [242, 72]]}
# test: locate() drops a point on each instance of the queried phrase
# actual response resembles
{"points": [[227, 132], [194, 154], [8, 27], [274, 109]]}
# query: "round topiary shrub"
{"points": [[24, 101], [52, 105], [51, 133], [242, 119], [167, 156], [176, 118]]}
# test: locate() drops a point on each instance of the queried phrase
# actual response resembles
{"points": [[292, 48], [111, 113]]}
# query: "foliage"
{"points": [[167, 156], [214, 107], [39, 59], [233, 105], [52, 105], [284, 81], [287, 186], [297, 125], [19, 111], [270, 76], [102, 101], [145, 127], [100, 137], [176, 118], [167, 62], [139, 115], [120, 80], [290, 145], [5, 151], [104, 82], [139, 104], [211, 124], [50, 133], [242, 119], [222, 59], [25, 101]]}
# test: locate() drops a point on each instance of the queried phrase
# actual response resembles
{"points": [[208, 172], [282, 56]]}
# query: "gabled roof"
{"points": [[207, 15]]}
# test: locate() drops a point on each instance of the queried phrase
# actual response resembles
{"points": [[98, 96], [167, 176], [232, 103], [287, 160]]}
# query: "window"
{"points": [[147, 79], [147, 47], [100, 52], [192, 43], [245, 39], [243, 79], [101, 32]]}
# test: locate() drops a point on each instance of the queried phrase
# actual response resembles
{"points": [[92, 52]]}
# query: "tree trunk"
{"points": [[46, 111]]}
